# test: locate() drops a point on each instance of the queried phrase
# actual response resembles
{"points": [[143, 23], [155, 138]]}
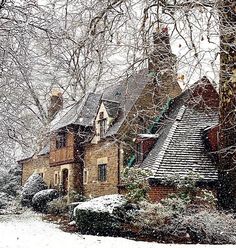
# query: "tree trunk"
{"points": [[227, 118]]}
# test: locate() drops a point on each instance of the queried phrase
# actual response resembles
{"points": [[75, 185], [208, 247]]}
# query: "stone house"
{"points": [[92, 140]]}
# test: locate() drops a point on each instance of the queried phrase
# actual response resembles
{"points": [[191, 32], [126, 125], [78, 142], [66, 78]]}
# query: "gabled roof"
{"points": [[81, 113], [118, 99], [126, 93], [179, 149]]}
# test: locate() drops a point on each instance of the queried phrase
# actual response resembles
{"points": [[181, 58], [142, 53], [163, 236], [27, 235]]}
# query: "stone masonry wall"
{"points": [[101, 153], [41, 165]]}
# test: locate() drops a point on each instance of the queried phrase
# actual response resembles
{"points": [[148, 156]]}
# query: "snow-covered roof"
{"points": [[126, 93], [118, 99], [180, 150], [81, 113]]}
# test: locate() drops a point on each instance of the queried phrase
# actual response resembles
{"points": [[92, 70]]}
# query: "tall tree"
{"points": [[227, 167]]}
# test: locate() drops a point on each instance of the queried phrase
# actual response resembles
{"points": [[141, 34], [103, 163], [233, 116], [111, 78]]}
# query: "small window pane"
{"points": [[102, 127], [102, 172]]}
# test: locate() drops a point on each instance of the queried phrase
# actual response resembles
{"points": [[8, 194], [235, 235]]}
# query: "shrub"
{"points": [[76, 197], [33, 185], [100, 215], [136, 183], [150, 216], [58, 206], [40, 199], [173, 224], [210, 227]]}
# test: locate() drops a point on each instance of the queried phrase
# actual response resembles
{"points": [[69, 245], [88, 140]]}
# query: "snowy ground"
{"points": [[28, 231]]}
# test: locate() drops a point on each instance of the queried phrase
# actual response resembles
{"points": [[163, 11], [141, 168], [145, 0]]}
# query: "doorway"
{"points": [[65, 174]]}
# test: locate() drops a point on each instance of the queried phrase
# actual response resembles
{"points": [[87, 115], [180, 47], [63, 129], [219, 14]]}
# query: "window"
{"points": [[101, 115], [56, 179], [61, 140], [102, 172], [102, 124], [41, 174], [85, 176]]}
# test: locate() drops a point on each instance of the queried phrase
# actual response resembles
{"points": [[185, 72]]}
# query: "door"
{"points": [[65, 181]]}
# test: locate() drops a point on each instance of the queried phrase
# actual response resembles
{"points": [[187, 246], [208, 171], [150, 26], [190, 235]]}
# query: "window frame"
{"points": [[56, 178], [102, 127], [85, 176], [102, 172]]}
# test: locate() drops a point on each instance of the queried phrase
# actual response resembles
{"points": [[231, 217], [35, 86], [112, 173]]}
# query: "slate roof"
{"points": [[126, 93], [45, 150], [81, 113], [179, 149], [118, 100]]}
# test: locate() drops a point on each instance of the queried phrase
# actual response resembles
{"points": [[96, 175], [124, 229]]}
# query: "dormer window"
{"points": [[61, 140]]}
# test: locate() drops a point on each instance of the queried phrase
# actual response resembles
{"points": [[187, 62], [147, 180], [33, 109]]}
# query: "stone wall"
{"points": [[105, 152], [52, 175]]}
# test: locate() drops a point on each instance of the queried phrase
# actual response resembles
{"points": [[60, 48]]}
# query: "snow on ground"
{"points": [[28, 231]]}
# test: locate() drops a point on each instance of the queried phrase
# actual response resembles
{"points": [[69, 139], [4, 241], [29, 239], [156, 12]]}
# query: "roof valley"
{"points": [[166, 144]]}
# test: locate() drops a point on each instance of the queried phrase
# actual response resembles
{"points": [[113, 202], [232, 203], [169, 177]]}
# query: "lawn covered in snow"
{"points": [[29, 231]]}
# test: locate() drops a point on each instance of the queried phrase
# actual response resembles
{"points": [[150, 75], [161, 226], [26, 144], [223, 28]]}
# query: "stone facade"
{"points": [[107, 153], [38, 165], [52, 175], [83, 174]]}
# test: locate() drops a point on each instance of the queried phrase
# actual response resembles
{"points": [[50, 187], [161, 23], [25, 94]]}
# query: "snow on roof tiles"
{"points": [[82, 113], [121, 96], [179, 149]]}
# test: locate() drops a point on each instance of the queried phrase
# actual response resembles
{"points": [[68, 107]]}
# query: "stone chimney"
{"points": [[56, 103], [161, 58]]}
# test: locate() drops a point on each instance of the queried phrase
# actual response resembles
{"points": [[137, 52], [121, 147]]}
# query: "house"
{"points": [[92, 140], [183, 143]]}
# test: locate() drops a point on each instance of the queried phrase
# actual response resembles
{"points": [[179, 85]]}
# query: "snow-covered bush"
{"points": [[58, 206], [150, 215], [136, 183], [101, 215], [175, 225], [33, 185], [10, 180], [76, 197], [3, 200], [208, 227], [40, 199]]}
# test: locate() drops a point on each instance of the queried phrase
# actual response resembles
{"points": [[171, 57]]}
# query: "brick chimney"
{"points": [[161, 58], [56, 103], [162, 64]]}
